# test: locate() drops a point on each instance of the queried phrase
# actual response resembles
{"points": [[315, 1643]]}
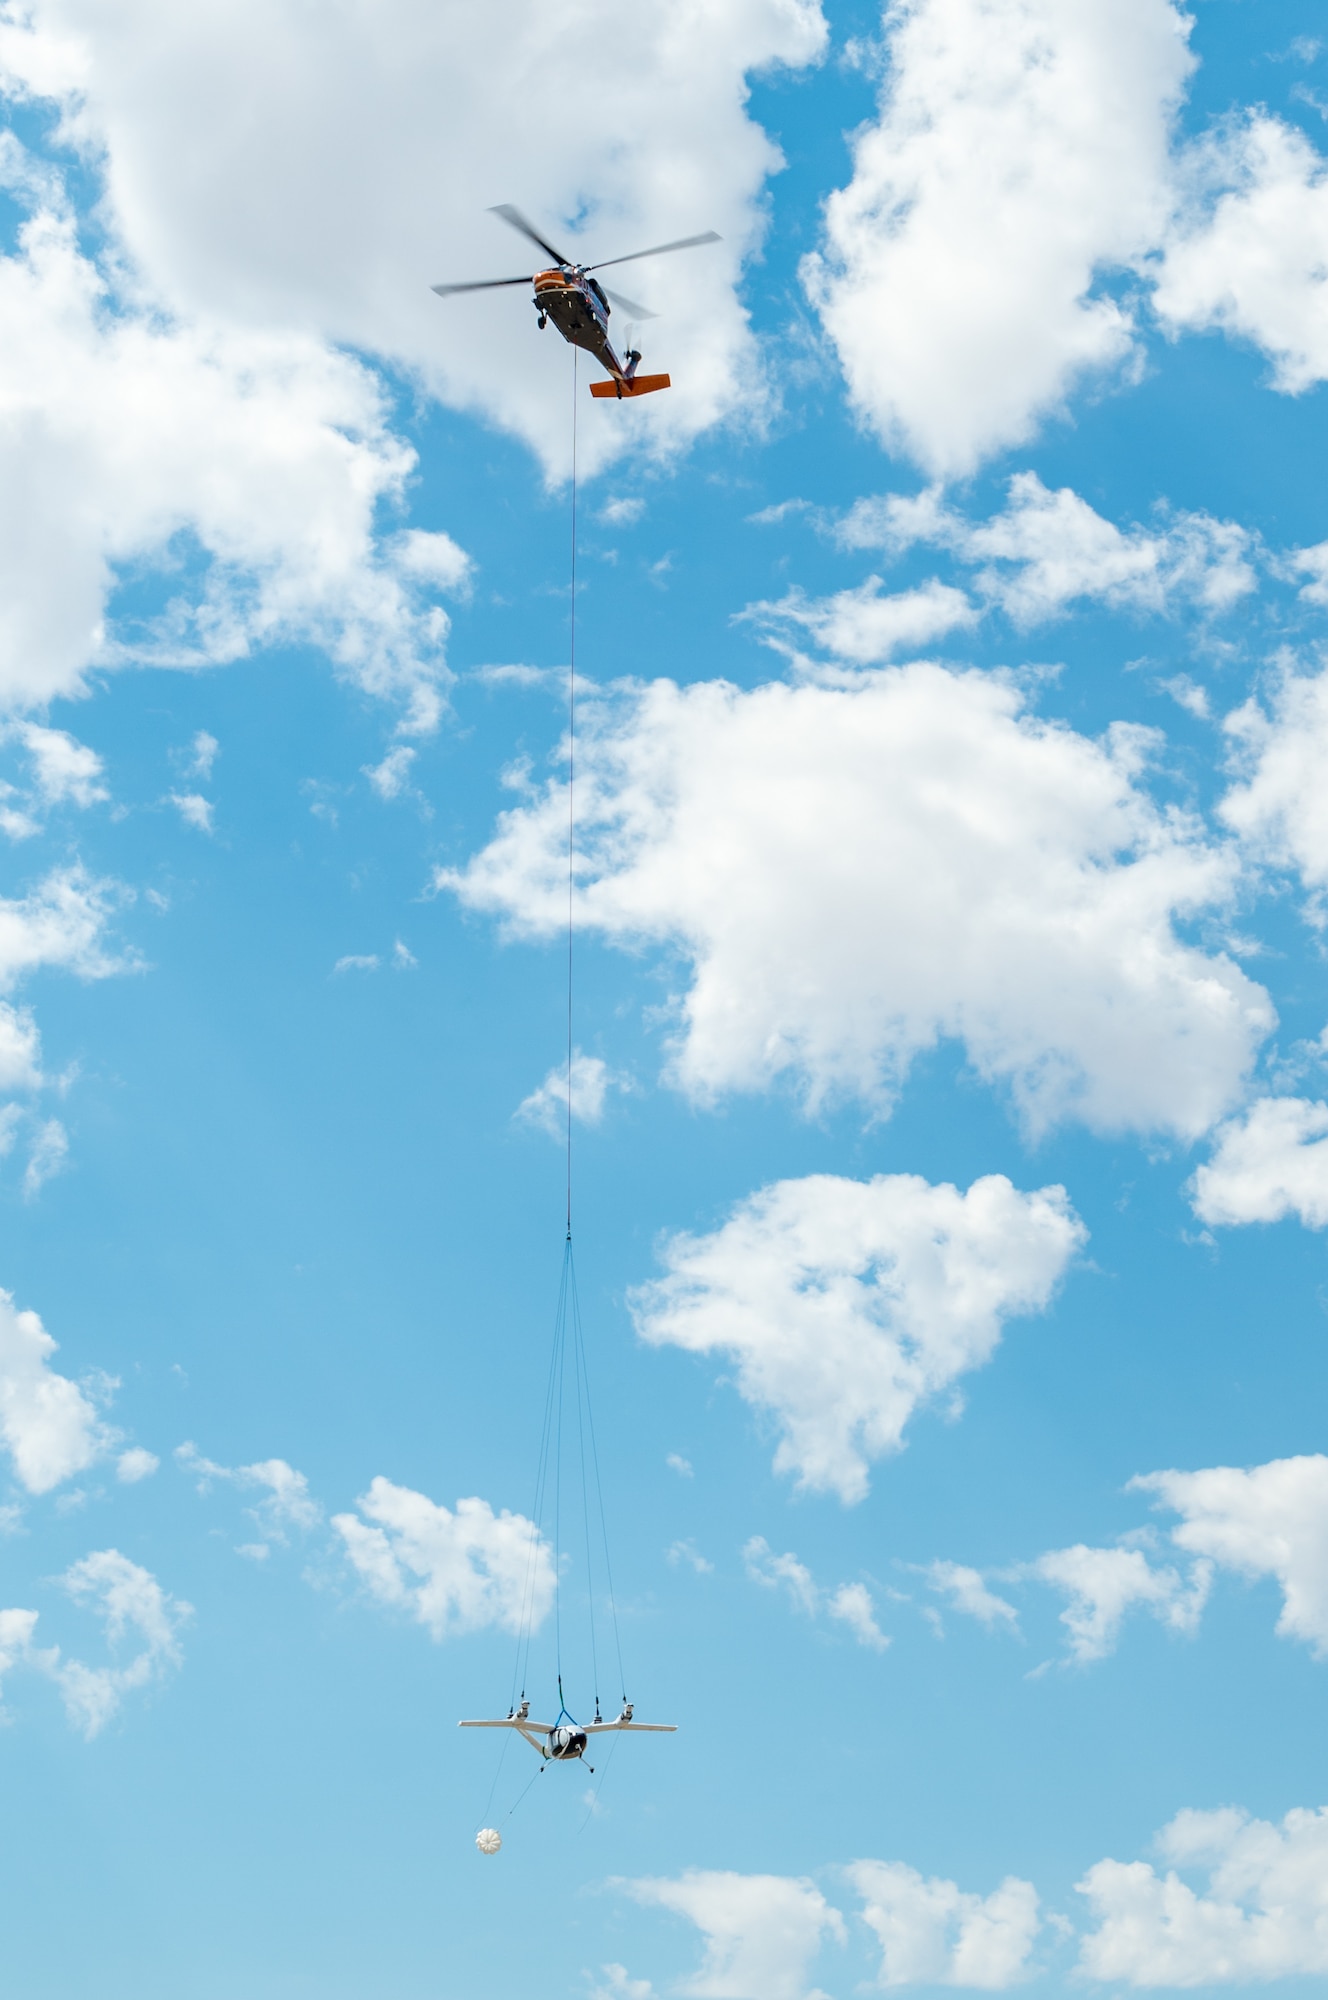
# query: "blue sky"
{"points": [[953, 1164]]}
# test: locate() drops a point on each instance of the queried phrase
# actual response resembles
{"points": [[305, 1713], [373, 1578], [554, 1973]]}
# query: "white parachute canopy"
{"points": [[488, 1840]]}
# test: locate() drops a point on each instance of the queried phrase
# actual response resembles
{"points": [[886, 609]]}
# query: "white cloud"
{"points": [[1270, 1520], [592, 1080], [203, 754], [135, 1464], [64, 768], [965, 1591], [932, 1933], [687, 1552], [357, 962], [1250, 254], [1279, 807], [20, 1049], [273, 223], [392, 777], [403, 958], [131, 1602], [48, 1425], [454, 1572], [1103, 1585], [47, 1157], [428, 556], [862, 625], [1047, 550], [622, 512], [247, 465], [1020, 152], [286, 1508], [845, 1304], [616, 1985], [762, 1932], [852, 1605], [1313, 563], [682, 1466], [764, 1567], [194, 810], [1269, 1163], [854, 873], [16, 1630], [1264, 1914], [62, 923]]}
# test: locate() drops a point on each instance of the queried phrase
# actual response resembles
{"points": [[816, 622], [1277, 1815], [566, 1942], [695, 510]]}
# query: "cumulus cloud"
{"points": [[1249, 253], [48, 1425], [274, 223], [194, 810], [846, 1304], [1269, 1520], [965, 1590], [1269, 1163], [20, 1049], [851, 1604], [1103, 1585], [592, 1080], [1279, 803], [762, 1932], [1020, 152], [864, 625], [391, 777], [932, 1933], [1263, 1913], [47, 1157], [855, 872], [61, 923], [248, 464], [65, 770], [455, 1572], [135, 1464], [202, 754], [131, 1603], [286, 1507], [1045, 551]]}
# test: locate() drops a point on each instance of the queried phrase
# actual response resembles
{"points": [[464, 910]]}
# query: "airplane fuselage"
{"points": [[564, 1743]]}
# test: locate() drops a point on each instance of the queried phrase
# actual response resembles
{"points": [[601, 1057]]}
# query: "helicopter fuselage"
{"points": [[579, 310]]}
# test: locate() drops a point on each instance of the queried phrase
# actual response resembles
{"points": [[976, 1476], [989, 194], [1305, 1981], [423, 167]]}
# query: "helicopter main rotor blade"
{"points": [[518, 221], [479, 285], [632, 310], [660, 249]]}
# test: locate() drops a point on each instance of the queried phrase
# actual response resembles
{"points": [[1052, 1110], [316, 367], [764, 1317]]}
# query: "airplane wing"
{"points": [[510, 1722], [656, 1728]]}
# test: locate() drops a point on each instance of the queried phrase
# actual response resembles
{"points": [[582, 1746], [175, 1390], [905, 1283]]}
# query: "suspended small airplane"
{"points": [[565, 1741], [578, 305]]}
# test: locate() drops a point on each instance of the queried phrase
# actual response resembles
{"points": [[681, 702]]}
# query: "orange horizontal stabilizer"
{"points": [[642, 386]]}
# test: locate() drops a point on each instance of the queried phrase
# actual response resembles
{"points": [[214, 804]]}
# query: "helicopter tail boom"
{"points": [[637, 385]]}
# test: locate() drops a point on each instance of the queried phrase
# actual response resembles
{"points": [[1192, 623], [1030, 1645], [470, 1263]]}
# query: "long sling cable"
{"points": [[568, 1373]]}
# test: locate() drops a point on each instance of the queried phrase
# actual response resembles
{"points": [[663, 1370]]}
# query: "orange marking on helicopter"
{"points": [[640, 385]]}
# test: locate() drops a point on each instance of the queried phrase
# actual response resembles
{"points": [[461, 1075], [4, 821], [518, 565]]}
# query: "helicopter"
{"points": [[579, 307], [563, 1742]]}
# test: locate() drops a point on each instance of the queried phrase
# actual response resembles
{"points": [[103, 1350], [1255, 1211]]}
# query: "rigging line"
{"points": [[560, 1339], [502, 1759], [525, 1630], [582, 1408], [571, 808], [599, 1492]]}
